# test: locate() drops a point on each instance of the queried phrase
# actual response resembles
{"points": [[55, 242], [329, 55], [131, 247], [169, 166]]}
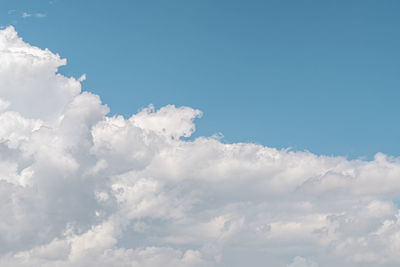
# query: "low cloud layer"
{"points": [[80, 188]]}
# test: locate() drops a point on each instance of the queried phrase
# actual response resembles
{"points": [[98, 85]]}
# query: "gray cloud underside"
{"points": [[80, 188]]}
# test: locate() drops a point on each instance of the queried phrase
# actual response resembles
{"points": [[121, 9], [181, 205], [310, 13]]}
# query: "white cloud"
{"points": [[302, 262], [80, 188], [35, 15], [26, 15]]}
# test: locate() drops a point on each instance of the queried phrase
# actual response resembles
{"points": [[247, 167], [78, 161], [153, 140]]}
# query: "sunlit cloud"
{"points": [[79, 187]]}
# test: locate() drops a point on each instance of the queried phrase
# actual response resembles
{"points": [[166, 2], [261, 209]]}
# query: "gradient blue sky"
{"points": [[313, 75]]}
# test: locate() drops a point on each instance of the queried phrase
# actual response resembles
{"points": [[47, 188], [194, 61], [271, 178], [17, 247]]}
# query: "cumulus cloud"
{"points": [[81, 188]]}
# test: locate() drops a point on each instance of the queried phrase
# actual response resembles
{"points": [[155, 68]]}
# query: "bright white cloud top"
{"points": [[80, 188]]}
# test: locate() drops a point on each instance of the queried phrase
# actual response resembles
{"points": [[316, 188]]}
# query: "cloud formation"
{"points": [[80, 188]]}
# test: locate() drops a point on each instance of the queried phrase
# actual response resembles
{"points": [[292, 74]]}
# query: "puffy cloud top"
{"points": [[80, 188]]}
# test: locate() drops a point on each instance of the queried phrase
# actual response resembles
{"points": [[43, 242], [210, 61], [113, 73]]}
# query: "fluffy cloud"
{"points": [[80, 188]]}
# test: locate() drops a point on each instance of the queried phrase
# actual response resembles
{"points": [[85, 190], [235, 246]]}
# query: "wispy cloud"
{"points": [[35, 15], [40, 15]]}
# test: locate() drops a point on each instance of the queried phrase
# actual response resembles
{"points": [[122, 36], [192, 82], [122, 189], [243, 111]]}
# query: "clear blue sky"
{"points": [[317, 75]]}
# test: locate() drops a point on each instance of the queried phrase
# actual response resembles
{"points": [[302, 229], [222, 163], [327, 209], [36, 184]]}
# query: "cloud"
{"points": [[35, 15], [80, 188], [302, 262]]}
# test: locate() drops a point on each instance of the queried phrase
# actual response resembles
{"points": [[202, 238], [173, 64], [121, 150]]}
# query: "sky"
{"points": [[321, 76], [149, 134]]}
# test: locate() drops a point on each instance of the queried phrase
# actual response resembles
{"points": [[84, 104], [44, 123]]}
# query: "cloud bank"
{"points": [[80, 188]]}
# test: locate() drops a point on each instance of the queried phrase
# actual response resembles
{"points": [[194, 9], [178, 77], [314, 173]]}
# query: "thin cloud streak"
{"points": [[35, 15]]}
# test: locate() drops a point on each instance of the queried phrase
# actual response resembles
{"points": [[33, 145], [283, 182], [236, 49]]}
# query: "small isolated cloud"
{"points": [[12, 11], [35, 15], [26, 15], [302, 262], [39, 15], [79, 187]]}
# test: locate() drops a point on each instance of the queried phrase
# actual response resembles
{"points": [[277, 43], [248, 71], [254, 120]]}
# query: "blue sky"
{"points": [[316, 75]]}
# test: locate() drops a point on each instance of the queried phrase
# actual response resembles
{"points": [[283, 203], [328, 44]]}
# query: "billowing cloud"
{"points": [[81, 188]]}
